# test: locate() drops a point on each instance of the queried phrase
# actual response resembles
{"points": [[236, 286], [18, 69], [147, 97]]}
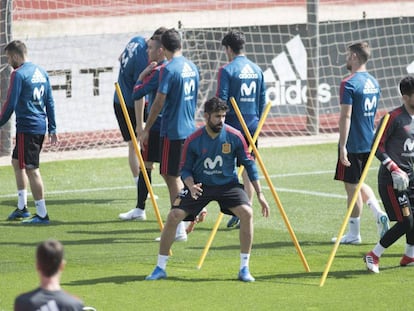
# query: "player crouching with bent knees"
{"points": [[209, 174]]}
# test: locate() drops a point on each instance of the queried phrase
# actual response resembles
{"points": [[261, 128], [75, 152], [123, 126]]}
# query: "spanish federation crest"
{"points": [[226, 148]]}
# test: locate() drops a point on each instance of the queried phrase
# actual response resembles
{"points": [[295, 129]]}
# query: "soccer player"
{"points": [[49, 295], [30, 97], [147, 84], [209, 174], [243, 80], [177, 99], [395, 177], [359, 96], [132, 61]]}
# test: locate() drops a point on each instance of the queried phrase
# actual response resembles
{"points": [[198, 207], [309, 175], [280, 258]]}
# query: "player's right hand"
{"points": [[400, 179], [147, 71], [143, 139]]}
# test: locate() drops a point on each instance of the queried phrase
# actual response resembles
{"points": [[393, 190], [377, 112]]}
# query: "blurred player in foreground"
{"points": [[49, 295], [395, 178], [209, 174]]}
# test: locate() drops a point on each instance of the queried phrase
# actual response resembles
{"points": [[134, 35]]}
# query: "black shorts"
{"points": [[122, 123], [227, 196], [152, 149], [170, 157], [27, 150], [353, 173]]}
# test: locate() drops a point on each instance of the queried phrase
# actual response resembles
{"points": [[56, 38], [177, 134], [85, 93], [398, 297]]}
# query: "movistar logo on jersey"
{"points": [[408, 148], [211, 164], [188, 72], [38, 77], [248, 73], [370, 103], [212, 167], [286, 80], [402, 200], [189, 87], [370, 88]]}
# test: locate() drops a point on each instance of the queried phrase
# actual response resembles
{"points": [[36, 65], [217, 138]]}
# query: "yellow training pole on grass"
{"points": [[354, 198], [220, 216], [141, 161], [270, 184]]}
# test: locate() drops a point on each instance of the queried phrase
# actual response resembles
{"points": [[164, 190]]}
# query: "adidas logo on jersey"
{"points": [[248, 73], [187, 71], [38, 77], [370, 88], [286, 80]]}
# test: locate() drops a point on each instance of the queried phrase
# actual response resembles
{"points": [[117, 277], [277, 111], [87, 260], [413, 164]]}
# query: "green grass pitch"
{"points": [[107, 259]]}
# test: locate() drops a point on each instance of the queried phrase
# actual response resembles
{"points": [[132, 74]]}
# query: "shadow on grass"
{"points": [[12, 203], [122, 279], [317, 275], [303, 278]]}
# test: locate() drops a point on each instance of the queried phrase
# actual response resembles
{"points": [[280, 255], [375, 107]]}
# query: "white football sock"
{"points": [[41, 208], [409, 250], [378, 250], [354, 227], [244, 260], [375, 207], [180, 229], [21, 199], [162, 261]]}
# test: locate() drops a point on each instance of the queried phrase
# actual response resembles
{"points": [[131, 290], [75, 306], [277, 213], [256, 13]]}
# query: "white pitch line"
{"points": [[304, 192]]}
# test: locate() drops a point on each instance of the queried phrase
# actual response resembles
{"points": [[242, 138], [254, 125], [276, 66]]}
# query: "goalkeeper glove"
{"points": [[400, 178]]}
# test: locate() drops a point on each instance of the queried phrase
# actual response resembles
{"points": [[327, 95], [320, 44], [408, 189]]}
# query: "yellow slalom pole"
{"points": [[220, 217], [270, 184], [137, 151], [354, 198], [258, 130]]}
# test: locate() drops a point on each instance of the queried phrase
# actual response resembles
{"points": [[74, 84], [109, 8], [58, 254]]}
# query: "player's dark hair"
{"points": [[158, 33], [215, 104], [235, 40], [171, 40], [16, 47], [407, 86], [362, 50], [49, 256]]}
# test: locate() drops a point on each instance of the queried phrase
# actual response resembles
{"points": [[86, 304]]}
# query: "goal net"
{"points": [[300, 46]]}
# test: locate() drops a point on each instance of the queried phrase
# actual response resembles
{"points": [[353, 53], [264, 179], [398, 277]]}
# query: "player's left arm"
{"points": [[344, 126], [262, 96], [223, 85], [50, 112], [12, 99]]}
